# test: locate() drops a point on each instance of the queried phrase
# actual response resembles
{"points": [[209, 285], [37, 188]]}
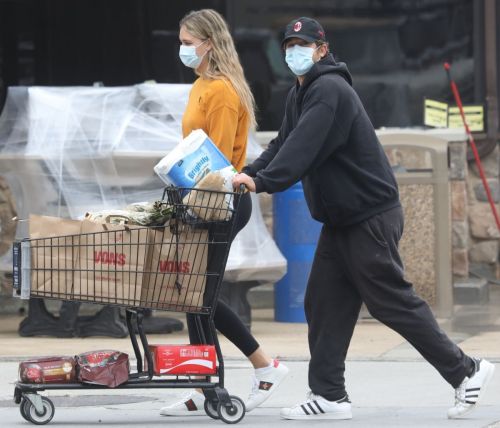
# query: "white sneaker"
{"points": [[471, 390], [317, 407], [191, 405], [264, 384]]}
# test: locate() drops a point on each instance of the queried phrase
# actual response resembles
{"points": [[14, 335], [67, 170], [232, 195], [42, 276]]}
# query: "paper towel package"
{"points": [[191, 160]]}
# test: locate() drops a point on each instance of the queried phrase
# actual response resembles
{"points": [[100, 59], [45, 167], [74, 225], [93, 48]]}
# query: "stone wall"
{"points": [[475, 236], [484, 236]]}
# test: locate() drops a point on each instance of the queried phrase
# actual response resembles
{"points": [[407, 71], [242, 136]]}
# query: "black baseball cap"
{"points": [[304, 28]]}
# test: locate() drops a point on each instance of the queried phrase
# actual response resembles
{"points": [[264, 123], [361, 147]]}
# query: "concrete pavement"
{"points": [[384, 394], [389, 383]]}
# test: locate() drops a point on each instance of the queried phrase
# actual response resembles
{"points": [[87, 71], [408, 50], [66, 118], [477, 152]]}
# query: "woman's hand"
{"points": [[240, 179]]}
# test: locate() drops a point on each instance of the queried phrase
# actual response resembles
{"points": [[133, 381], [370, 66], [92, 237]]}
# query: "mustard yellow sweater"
{"points": [[215, 107]]}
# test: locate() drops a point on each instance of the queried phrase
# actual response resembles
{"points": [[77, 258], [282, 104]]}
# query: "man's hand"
{"points": [[239, 179]]}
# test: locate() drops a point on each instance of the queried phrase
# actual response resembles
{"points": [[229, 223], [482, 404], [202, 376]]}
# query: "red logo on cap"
{"points": [[297, 26]]}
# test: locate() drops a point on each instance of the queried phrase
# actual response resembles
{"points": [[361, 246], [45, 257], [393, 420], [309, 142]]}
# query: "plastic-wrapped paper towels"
{"points": [[194, 157], [66, 151], [196, 162]]}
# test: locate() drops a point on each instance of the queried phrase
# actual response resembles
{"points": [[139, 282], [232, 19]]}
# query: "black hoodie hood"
{"points": [[324, 66]]}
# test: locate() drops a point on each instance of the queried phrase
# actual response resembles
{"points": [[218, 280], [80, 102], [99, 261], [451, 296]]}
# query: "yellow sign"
{"points": [[435, 114], [440, 115], [474, 115]]}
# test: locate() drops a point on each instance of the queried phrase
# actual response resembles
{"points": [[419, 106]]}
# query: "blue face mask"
{"points": [[188, 56], [299, 59]]}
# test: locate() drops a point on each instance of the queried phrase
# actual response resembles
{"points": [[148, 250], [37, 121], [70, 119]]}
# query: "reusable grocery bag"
{"points": [[54, 250], [176, 273], [111, 263]]}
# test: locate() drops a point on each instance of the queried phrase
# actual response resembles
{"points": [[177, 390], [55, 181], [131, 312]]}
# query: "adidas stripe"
{"points": [[318, 406], [312, 409]]}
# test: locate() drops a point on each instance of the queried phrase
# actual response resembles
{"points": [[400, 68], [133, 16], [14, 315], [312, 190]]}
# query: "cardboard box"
{"points": [[183, 359]]}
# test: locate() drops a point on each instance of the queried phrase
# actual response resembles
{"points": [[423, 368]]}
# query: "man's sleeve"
{"points": [[265, 157], [299, 152]]}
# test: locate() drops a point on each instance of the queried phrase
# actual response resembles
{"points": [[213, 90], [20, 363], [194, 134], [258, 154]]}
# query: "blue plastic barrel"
{"points": [[296, 235]]}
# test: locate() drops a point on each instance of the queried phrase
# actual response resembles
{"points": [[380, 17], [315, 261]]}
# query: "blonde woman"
{"points": [[221, 103]]}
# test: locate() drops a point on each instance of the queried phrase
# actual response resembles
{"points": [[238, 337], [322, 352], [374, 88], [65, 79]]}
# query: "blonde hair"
{"points": [[223, 59]]}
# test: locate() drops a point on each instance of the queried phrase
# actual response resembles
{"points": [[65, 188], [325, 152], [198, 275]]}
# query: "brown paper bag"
{"points": [[54, 246], [208, 203], [111, 263], [177, 268]]}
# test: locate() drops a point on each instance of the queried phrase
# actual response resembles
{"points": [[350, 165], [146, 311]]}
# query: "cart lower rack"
{"points": [[176, 267]]}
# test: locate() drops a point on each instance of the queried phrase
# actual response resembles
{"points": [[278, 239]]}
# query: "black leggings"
{"points": [[226, 321]]}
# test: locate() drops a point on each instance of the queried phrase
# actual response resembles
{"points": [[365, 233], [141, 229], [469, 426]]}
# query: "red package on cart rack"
{"points": [[54, 369], [110, 368], [183, 359]]}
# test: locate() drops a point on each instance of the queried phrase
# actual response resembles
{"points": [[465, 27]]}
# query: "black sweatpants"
{"points": [[361, 263], [225, 320]]}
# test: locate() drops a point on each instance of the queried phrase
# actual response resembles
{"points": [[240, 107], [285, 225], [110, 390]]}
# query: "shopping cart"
{"points": [[177, 267]]}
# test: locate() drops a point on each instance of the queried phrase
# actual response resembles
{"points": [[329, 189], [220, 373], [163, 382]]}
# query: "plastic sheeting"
{"points": [[69, 150]]}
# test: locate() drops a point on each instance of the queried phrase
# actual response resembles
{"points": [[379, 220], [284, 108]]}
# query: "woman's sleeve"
{"points": [[222, 120]]}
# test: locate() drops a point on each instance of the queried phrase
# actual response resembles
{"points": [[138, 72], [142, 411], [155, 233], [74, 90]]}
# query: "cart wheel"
{"points": [[211, 409], [39, 418], [235, 413], [22, 410]]}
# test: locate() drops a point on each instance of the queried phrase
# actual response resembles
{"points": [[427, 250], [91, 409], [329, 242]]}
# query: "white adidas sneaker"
{"points": [[471, 390], [192, 404], [317, 407], [264, 384]]}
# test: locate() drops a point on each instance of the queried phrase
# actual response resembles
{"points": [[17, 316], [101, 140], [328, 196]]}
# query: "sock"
{"points": [[264, 370]]}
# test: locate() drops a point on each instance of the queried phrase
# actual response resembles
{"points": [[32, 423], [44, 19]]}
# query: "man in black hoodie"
{"points": [[327, 141]]}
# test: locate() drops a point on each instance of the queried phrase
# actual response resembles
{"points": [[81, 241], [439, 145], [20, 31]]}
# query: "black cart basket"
{"points": [[176, 267]]}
